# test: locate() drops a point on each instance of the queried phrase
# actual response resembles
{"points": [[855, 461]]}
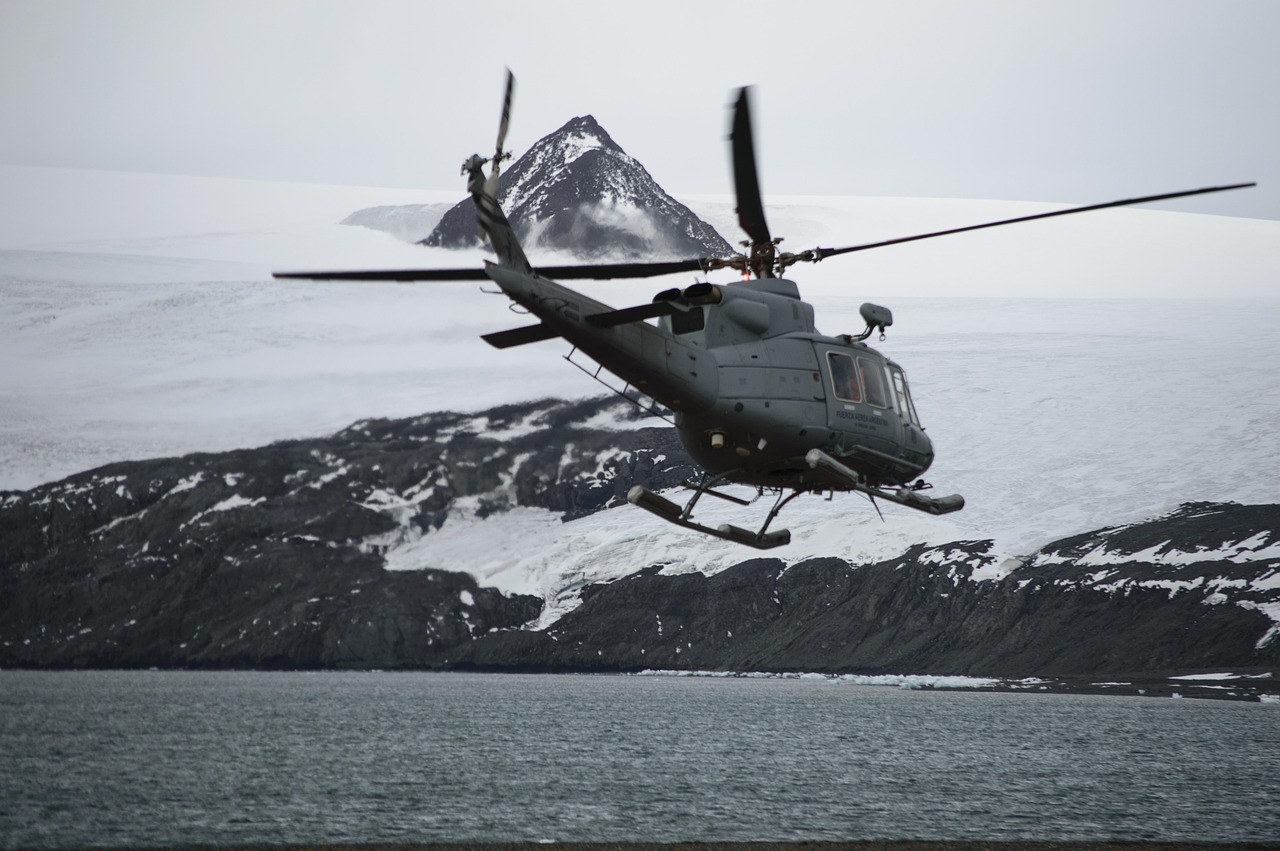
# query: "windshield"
{"points": [[902, 395]]}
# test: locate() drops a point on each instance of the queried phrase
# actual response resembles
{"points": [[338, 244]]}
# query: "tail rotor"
{"points": [[491, 185]]}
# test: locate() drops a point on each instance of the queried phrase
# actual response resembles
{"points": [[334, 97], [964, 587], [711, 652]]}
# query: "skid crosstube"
{"points": [[906, 495], [666, 509]]}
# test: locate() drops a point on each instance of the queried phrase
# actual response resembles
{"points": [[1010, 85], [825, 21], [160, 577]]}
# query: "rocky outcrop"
{"points": [[271, 557], [274, 558]]}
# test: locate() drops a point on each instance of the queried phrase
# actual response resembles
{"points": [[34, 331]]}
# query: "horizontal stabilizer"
{"points": [[519, 336], [631, 314]]}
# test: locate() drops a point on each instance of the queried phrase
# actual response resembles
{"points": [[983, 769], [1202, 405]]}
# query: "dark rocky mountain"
{"points": [[576, 190], [923, 611], [273, 557]]}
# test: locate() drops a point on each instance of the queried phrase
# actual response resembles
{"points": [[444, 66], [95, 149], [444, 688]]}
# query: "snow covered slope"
{"points": [[157, 331]]}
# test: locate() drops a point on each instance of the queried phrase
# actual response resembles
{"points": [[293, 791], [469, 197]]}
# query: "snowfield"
{"points": [[1073, 374]]}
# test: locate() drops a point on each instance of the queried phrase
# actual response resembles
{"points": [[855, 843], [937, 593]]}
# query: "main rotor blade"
{"points": [[822, 253], [599, 272], [746, 181], [609, 271], [388, 275]]}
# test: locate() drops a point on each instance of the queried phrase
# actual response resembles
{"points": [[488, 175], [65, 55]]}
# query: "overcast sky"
{"points": [[1080, 101]]}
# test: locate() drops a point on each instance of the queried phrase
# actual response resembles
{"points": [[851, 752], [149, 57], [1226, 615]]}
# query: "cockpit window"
{"points": [[873, 381], [903, 395], [844, 378]]}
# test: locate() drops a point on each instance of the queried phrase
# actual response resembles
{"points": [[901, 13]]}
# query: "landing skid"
{"points": [[908, 495], [848, 479], [673, 513]]}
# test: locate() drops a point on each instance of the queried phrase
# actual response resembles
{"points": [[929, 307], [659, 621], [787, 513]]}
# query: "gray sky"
{"points": [[1080, 101]]}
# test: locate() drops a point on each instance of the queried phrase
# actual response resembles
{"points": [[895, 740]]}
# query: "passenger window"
{"points": [[844, 378], [873, 380]]}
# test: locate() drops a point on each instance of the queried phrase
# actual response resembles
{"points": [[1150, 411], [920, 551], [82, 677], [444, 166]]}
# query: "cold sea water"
{"points": [[181, 758]]}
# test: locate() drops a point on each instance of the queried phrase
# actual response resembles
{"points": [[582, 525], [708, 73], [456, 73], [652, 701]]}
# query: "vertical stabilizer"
{"points": [[493, 222], [484, 192]]}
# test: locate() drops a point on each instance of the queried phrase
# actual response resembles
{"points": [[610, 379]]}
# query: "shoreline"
{"points": [[1255, 686], [1250, 687], [854, 845]]}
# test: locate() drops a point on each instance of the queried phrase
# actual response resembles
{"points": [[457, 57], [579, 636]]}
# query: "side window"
{"points": [[844, 378], [902, 395], [873, 380]]}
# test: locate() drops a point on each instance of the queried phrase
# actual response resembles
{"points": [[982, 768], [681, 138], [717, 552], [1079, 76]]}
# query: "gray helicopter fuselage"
{"points": [[783, 388], [753, 385]]}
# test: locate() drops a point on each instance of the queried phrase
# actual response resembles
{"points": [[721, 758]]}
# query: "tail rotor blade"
{"points": [[506, 112], [491, 185]]}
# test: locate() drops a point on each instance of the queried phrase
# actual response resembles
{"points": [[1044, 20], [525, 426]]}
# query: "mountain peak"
{"points": [[577, 190], [579, 135], [586, 125]]}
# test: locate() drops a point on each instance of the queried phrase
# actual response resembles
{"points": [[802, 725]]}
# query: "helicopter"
{"points": [[759, 396]]}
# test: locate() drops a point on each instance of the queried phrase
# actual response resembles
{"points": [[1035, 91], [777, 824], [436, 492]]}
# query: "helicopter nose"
{"points": [[924, 446]]}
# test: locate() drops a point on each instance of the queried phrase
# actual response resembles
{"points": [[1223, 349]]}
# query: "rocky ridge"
{"points": [[276, 558]]}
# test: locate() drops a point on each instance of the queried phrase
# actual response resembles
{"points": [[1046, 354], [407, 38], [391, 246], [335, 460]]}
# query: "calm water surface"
{"points": [[163, 758]]}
